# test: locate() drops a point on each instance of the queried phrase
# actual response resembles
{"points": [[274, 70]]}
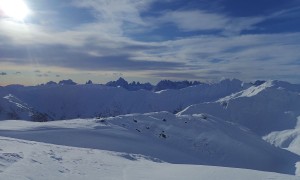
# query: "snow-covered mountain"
{"points": [[86, 101], [162, 137], [132, 134], [287, 139], [13, 108], [161, 85], [167, 84], [271, 106]]}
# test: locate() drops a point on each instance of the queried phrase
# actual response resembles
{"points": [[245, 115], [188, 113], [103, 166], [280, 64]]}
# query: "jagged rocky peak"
{"points": [[67, 82], [258, 82], [120, 82], [51, 83], [133, 86], [168, 84], [89, 82]]}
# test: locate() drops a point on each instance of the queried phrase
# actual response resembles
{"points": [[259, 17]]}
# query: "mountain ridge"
{"points": [[66, 101]]}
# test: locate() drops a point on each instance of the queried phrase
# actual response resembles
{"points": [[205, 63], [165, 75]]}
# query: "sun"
{"points": [[15, 9]]}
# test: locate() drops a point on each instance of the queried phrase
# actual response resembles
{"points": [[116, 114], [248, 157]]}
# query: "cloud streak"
{"points": [[196, 42], [197, 20]]}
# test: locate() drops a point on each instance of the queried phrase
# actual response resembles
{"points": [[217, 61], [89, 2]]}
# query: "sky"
{"points": [[149, 40]]}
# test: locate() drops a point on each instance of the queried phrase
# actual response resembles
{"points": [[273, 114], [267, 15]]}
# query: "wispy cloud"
{"points": [[194, 20], [199, 20], [176, 75], [42, 75], [116, 11], [108, 41]]}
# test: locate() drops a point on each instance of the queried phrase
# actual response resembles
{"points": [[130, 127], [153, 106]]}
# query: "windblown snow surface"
{"points": [[229, 130]]}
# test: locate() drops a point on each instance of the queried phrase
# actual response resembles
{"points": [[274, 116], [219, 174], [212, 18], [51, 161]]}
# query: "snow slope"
{"points": [[21, 160], [188, 139], [272, 106], [157, 145], [13, 108], [85, 101], [287, 139]]}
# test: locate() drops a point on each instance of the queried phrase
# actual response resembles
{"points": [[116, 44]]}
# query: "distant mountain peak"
{"points": [[67, 82], [89, 82], [168, 84], [51, 83], [121, 82], [258, 82]]}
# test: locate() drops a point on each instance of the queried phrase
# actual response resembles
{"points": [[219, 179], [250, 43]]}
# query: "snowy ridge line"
{"points": [[118, 133], [264, 108], [163, 137], [66, 101]]}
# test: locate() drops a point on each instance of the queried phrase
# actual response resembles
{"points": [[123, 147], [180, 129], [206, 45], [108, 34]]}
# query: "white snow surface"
{"points": [[228, 130], [287, 139], [161, 137], [20, 160], [272, 106]]}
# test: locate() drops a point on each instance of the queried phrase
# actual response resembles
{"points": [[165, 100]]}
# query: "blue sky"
{"points": [[151, 40]]}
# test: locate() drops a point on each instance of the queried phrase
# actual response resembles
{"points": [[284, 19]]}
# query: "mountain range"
{"points": [[229, 124]]}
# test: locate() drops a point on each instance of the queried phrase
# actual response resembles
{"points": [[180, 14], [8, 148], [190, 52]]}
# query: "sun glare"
{"points": [[16, 9]]}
